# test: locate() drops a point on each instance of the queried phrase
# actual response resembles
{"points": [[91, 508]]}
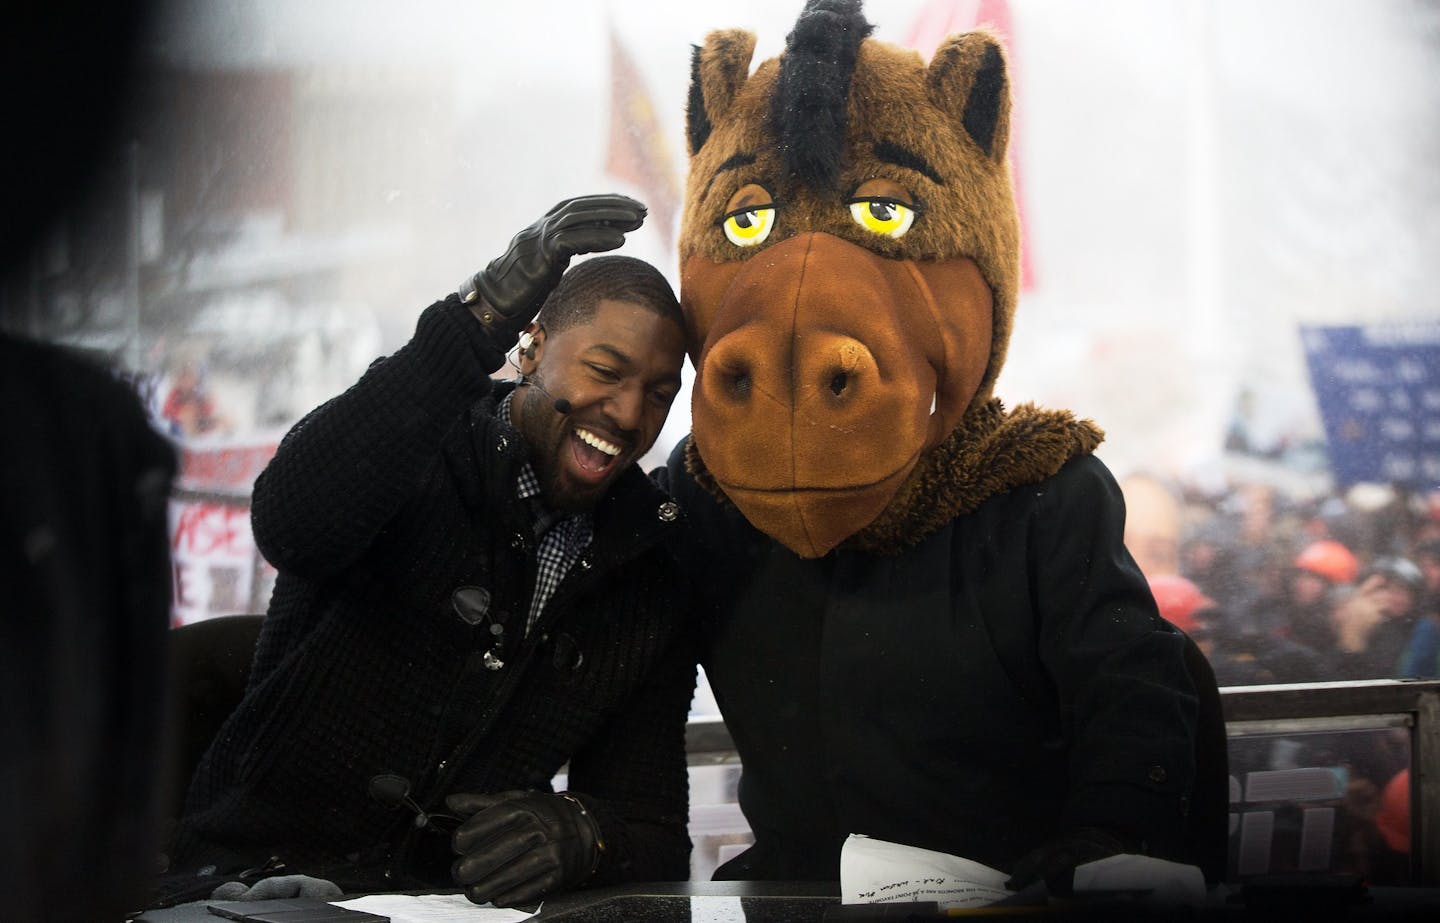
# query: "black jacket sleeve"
{"points": [[345, 469], [1128, 706], [635, 781]]}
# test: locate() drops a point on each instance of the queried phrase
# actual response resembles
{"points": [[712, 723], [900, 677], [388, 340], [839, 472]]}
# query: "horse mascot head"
{"points": [[849, 262]]}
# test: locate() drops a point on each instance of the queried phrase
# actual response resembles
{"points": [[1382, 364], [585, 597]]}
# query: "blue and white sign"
{"points": [[1378, 388]]}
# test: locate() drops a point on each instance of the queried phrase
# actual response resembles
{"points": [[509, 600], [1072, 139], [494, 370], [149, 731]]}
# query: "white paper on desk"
{"points": [[879, 872], [434, 908]]}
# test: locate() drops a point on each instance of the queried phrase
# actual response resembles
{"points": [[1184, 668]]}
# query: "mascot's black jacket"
{"points": [[1003, 680], [376, 508]]}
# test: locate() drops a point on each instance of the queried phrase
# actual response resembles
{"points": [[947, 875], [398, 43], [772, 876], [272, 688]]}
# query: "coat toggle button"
{"points": [[471, 603]]}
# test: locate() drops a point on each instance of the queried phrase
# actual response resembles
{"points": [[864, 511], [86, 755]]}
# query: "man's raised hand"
{"points": [[507, 293]]}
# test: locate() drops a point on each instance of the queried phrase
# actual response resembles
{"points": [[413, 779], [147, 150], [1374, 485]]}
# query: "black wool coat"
{"points": [[376, 509], [977, 691]]}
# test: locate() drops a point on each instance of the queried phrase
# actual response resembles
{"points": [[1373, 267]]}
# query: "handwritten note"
{"points": [[878, 872]]}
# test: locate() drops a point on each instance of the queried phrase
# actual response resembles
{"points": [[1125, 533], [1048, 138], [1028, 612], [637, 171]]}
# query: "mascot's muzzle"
{"points": [[824, 372]]}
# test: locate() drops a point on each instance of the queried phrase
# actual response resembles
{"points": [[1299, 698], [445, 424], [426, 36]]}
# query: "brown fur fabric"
{"points": [[845, 369], [990, 452], [894, 101], [719, 69]]}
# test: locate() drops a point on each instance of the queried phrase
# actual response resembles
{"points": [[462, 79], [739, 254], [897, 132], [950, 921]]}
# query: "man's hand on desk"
{"points": [[517, 847]]}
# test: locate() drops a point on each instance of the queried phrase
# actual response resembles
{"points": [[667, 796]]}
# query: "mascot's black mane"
{"points": [[807, 112]]}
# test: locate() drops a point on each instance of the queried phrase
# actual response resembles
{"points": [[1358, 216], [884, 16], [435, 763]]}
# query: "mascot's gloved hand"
{"points": [[507, 294], [1055, 861], [519, 846], [276, 887]]}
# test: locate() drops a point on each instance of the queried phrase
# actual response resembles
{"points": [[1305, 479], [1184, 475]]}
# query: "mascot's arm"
{"points": [[711, 549], [1128, 705]]}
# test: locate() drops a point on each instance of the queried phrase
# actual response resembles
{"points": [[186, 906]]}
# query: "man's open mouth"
{"points": [[593, 454]]}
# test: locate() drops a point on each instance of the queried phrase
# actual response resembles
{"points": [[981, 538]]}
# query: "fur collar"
{"points": [[990, 452]]}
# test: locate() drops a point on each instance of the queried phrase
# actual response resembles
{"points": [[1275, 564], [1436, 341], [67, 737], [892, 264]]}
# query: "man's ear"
{"points": [[531, 344]]}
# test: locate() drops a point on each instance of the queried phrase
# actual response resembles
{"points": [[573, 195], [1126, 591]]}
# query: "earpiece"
{"points": [[527, 349]]}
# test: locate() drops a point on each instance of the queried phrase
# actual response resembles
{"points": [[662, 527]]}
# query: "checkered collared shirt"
{"points": [[562, 538]]}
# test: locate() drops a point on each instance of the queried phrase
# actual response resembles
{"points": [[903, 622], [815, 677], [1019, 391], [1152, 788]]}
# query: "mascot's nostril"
{"points": [[844, 365], [740, 384]]}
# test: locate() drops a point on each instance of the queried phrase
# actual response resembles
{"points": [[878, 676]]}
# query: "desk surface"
{"points": [[698, 902], [661, 902], [808, 902]]}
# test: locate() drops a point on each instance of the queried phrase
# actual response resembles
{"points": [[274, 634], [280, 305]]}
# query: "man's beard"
{"points": [[548, 433], [567, 500]]}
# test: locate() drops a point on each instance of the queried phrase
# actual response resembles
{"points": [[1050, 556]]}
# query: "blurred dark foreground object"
{"points": [[84, 610], [67, 67]]}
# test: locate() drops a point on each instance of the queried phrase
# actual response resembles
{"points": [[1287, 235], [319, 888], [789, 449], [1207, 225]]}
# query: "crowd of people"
{"points": [[1326, 589], [1333, 588]]}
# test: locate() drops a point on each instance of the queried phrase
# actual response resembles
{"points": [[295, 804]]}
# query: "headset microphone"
{"points": [[562, 406]]}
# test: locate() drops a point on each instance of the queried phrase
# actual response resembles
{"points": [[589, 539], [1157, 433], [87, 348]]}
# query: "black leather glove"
{"points": [[520, 846], [507, 294], [1055, 861]]}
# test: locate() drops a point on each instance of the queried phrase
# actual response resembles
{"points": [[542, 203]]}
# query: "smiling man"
{"points": [[614, 361], [473, 592]]}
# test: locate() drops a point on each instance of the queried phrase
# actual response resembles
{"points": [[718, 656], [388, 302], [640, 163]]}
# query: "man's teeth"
{"points": [[590, 439]]}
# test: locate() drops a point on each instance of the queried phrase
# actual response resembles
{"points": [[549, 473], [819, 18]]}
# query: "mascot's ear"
{"points": [[717, 71], [969, 69]]}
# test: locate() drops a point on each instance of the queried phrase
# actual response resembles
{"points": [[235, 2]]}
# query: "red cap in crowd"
{"points": [[1329, 559], [1179, 600], [1393, 818]]}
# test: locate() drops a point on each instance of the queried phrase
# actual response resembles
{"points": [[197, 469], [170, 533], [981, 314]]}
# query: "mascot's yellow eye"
{"points": [[746, 227], [884, 216]]}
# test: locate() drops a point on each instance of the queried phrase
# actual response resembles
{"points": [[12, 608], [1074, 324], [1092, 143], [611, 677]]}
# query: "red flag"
{"points": [[940, 18], [638, 153]]}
